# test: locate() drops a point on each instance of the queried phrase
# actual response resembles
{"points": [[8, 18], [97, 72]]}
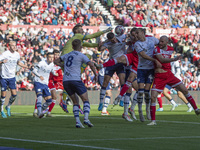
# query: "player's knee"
{"points": [[54, 97], [153, 98]]}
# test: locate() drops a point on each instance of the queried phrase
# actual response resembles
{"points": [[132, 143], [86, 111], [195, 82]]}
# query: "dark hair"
{"points": [[76, 27], [110, 35], [133, 30], [56, 51], [49, 54], [76, 44]]}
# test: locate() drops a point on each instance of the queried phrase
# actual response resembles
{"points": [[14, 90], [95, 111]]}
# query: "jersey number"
{"points": [[69, 61]]}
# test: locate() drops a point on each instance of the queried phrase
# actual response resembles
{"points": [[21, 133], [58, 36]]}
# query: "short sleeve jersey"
{"points": [[72, 65], [44, 69], [166, 54], [8, 69], [116, 49], [148, 47]]}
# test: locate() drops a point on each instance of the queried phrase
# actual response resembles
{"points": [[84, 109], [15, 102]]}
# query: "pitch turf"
{"points": [[175, 130]]}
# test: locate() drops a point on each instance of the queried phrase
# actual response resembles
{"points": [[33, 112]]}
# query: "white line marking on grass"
{"points": [[54, 143], [118, 139]]}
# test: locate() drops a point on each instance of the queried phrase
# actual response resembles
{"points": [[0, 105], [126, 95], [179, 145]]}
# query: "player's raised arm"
{"points": [[86, 44], [21, 64], [97, 34]]}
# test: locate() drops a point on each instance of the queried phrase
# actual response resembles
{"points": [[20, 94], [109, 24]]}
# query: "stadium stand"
{"points": [[180, 20]]}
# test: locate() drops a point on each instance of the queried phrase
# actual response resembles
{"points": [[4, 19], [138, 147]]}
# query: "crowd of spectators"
{"points": [[33, 44], [51, 12]]}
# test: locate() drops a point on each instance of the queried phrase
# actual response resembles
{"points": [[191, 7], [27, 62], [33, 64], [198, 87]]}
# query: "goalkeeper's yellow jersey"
{"points": [[68, 46]]}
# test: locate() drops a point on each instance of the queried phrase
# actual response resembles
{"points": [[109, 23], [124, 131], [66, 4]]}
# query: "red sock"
{"points": [[52, 105], [191, 101], [159, 101], [169, 92], [109, 63], [153, 111], [36, 104], [125, 87]]}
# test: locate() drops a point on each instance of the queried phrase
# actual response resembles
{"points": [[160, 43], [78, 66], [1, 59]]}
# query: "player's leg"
{"points": [[3, 97], [63, 101], [182, 97], [159, 99], [134, 101], [112, 62], [82, 92], [12, 86], [148, 83], [51, 106], [126, 105], [106, 101], [122, 77], [168, 96], [35, 109], [107, 76], [154, 95], [189, 97]]}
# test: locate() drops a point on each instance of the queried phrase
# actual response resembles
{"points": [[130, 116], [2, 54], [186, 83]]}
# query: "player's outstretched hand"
{"points": [[158, 64], [178, 58]]}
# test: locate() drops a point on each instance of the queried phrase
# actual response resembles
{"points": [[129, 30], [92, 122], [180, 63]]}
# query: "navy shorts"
{"points": [[145, 75], [72, 87], [168, 87], [100, 80], [41, 89], [10, 82], [118, 68]]}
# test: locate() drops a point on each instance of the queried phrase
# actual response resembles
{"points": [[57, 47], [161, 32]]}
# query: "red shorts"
{"points": [[161, 79], [51, 86], [59, 85], [132, 59]]}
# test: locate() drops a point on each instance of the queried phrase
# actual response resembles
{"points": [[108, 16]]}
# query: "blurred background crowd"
{"points": [[33, 43]]}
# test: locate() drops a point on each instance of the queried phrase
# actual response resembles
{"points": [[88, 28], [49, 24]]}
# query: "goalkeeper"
{"points": [[78, 34]]}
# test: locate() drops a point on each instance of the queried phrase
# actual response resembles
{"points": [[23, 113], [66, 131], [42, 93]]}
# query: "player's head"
{"points": [[133, 35], [78, 29], [111, 37], [12, 46], [163, 41], [76, 45], [50, 57], [56, 54], [140, 34]]}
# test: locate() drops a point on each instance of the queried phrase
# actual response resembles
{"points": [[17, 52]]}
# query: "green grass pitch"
{"points": [[175, 130]]}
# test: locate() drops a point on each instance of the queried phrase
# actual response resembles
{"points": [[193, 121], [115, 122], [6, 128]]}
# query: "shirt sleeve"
{"points": [[2, 56], [62, 57], [85, 59], [156, 41]]}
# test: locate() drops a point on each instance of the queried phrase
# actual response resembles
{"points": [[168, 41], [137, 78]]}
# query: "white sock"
{"points": [[76, 113], [39, 104], [35, 110], [2, 102], [172, 102], [86, 109], [11, 100], [106, 103], [134, 101], [189, 105], [126, 103]]}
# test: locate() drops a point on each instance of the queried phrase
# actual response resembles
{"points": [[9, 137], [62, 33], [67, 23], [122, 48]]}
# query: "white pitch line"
{"points": [[54, 143], [119, 139]]}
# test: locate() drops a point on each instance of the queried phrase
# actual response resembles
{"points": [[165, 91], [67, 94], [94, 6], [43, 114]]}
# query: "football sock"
{"points": [[39, 104], [191, 101], [11, 100], [52, 105], [125, 87], [86, 109], [126, 103], [160, 101], [76, 113], [102, 94], [153, 111], [2, 102], [106, 103]]}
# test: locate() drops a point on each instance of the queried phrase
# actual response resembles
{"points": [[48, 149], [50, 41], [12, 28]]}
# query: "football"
{"points": [[119, 30]]}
